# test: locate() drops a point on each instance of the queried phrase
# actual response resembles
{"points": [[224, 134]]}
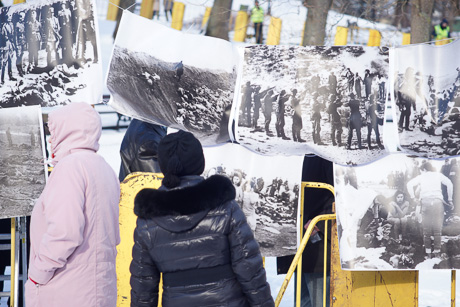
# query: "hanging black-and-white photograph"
{"points": [[269, 196], [427, 99], [49, 54], [171, 78], [22, 168], [325, 100], [399, 213]]}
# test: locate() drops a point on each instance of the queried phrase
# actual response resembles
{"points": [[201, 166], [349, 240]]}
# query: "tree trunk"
{"points": [[421, 11], [401, 19], [124, 4], [315, 25], [219, 19]]}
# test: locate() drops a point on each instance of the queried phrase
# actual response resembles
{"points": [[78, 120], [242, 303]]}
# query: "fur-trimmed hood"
{"points": [[182, 208]]}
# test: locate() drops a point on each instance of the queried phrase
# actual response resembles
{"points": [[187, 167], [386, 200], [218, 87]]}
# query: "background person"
{"points": [[139, 148], [192, 230], [74, 227], [441, 32], [257, 18]]}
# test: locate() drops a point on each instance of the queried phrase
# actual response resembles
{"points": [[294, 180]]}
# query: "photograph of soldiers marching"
{"points": [[325, 100], [407, 217], [22, 167], [269, 197], [173, 86], [427, 100], [47, 50]]}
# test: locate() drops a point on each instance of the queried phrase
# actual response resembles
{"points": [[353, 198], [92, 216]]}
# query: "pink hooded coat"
{"points": [[74, 227]]}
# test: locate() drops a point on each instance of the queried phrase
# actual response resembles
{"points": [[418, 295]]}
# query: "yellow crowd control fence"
{"points": [[147, 8], [129, 188], [112, 9], [274, 31], [178, 15], [241, 26]]}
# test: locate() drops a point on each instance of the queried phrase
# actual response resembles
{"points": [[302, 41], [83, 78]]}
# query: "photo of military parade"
{"points": [[336, 112], [47, 49]]}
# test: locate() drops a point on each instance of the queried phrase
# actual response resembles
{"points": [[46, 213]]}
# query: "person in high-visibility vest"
{"points": [[257, 18], [441, 32]]}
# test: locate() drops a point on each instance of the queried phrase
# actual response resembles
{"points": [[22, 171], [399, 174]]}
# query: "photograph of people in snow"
{"points": [[399, 212], [326, 100], [49, 54], [427, 100]]}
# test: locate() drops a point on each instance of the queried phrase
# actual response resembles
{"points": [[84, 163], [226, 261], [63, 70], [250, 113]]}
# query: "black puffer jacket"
{"points": [[189, 230], [139, 147]]}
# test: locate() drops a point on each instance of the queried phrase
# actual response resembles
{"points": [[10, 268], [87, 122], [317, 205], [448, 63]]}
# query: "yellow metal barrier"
{"points": [[178, 15], [129, 188], [147, 8], [274, 31], [406, 39], [18, 1], [241, 26], [441, 42], [112, 10], [341, 36], [13, 261], [207, 13], [298, 257], [374, 38]]}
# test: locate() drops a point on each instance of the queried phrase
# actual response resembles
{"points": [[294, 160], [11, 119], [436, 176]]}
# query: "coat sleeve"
{"points": [[247, 261], [145, 276], [64, 201]]}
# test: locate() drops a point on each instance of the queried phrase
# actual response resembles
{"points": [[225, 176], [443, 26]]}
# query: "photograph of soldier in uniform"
{"points": [[49, 54], [173, 86], [22, 168], [269, 197], [426, 100], [398, 212], [314, 100]]}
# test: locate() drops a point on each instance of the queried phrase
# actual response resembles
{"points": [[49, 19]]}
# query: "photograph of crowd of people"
{"points": [[326, 100], [47, 49], [269, 197], [22, 168], [399, 212], [427, 100], [173, 86]]}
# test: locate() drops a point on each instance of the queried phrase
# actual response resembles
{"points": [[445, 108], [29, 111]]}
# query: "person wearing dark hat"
{"points": [[192, 230], [441, 32]]}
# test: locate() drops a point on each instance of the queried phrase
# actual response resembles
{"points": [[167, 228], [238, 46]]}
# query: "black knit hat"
{"points": [[180, 154]]}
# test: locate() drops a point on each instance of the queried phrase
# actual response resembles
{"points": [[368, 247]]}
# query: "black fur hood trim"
{"points": [[206, 195]]}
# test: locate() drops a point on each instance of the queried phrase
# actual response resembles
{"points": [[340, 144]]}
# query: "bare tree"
{"points": [[219, 19], [315, 25], [421, 12], [124, 4], [402, 14]]}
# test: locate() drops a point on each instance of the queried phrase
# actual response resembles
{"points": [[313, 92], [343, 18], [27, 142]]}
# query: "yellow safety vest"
{"points": [[257, 15], [440, 32]]}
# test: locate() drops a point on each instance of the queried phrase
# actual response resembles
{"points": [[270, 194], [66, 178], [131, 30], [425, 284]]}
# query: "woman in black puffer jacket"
{"points": [[193, 231]]}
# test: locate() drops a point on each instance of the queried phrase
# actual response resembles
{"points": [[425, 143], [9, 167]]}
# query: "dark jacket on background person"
{"points": [[198, 237], [316, 202], [139, 147]]}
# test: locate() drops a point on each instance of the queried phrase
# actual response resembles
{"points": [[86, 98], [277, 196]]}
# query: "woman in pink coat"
{"points": [[74, 227]]}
